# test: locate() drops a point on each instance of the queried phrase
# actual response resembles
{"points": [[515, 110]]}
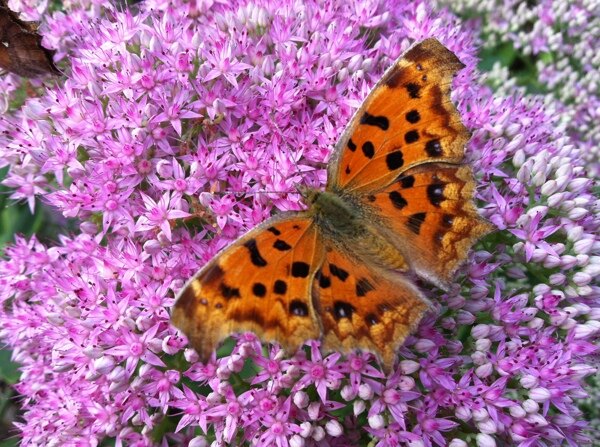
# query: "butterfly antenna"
{"points": [[370, 38], [276, 173]]}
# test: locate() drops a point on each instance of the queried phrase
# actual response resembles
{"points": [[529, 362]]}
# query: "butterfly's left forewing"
{"points": [[260, 283]]}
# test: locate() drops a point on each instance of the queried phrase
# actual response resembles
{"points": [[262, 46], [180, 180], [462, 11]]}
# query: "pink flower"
{"points": [[221, 109], [159, 214], [320, 372]]}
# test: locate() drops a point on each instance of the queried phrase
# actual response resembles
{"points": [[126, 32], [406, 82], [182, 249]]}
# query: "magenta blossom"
{"points": [[179, 125]]}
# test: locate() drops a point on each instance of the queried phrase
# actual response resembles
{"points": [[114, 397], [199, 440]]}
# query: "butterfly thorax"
{"points": [[329, 208], [344, 221]]}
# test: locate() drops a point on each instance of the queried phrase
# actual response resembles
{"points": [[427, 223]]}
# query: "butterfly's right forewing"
{"points": [[407, 119]]}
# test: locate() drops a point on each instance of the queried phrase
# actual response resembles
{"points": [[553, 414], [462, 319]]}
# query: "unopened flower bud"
{"points": [[539, 394], [528, 381], [318, 433], [198, 441], [376, 421], [333, 428], [517, 412], [463, 413], [358, 407], [365, 392], [297, 441], [485, 440], [314, 408], [409, 366], [487, 426], [301, 399]]}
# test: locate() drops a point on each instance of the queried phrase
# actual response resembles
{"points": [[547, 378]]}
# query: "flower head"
{"points": [[180, 125]]}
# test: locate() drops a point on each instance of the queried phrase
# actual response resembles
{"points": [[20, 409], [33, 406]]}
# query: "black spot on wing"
{"points": [[255, 256], [397, 200], [413, 116], [280, 287], [411, 136], [435, 194], [415, 221], [351, 145], [259, 289], [298, 308], [378, 121], [341, 309], [406, 181], [338, 272], [394, 160], [281, 245], [229, 292], [447, 220], [371, 319], [363, 286], [433, 148], [324, 280], [368, 149], [414, 90], [300, 269], [274, 230]]}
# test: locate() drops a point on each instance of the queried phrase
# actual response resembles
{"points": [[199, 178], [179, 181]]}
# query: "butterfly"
{"points": [[21, 50], [398, 202]]}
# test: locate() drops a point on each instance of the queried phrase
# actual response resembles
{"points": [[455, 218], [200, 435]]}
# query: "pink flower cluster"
{"points": [[214, 110], [557, 37]]}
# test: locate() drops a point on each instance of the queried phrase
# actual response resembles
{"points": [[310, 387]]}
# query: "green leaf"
{"points": [[503, 53], [9, 371], [12, 442]]}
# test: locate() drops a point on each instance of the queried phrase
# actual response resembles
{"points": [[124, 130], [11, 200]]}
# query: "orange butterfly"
{"points": [[399, 199]]}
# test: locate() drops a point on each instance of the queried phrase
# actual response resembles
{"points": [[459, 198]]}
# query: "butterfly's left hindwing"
{"points": [[364, 307], [261, 283], [429, 215]]}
